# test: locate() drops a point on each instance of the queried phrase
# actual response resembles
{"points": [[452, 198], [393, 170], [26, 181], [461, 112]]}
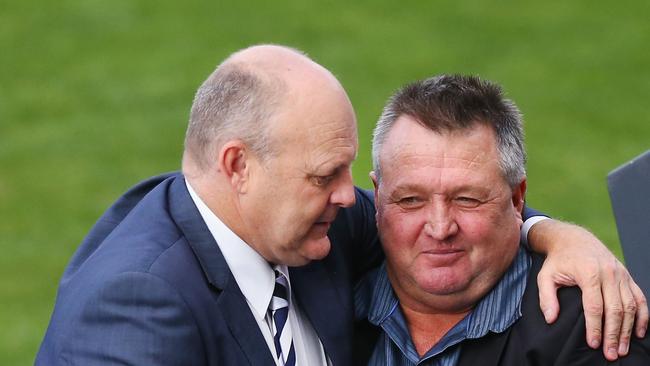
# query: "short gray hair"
{"points": [[235, 102], [454, 102]]}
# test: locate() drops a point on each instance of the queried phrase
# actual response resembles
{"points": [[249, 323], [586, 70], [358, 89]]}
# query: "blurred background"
{"points": [[95, 95]]}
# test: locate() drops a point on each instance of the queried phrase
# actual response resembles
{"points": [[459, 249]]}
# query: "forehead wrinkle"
{"points": [[323, 132], [448, 167], [423, 156], [329, 139], [332, 159]]}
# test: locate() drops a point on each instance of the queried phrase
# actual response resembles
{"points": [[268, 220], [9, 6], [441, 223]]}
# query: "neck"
{"points": [[218, 199], [427, 329]]}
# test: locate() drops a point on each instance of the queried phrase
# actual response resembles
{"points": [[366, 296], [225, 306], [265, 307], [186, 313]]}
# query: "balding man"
{"points": [[249, 256]]}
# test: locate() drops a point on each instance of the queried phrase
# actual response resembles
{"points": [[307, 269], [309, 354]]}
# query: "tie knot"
{"points": [[280, 292]]}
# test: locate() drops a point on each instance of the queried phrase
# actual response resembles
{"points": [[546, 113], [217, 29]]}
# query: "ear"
{"points": [[375, 183], [519, 196], [234, 162]]}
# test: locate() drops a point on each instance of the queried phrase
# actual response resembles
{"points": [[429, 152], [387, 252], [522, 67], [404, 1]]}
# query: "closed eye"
{"points": [[467, 202], [410, 202], [321, 180]]}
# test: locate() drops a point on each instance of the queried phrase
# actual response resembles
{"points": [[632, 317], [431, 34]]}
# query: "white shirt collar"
{"points": [[252, 272]]}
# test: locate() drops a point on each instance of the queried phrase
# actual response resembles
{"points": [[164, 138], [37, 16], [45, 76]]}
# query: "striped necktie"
{"points": [[279, 310]]}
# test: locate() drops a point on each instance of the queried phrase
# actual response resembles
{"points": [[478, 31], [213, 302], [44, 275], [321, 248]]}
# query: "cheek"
{"points": [[303, 210], [310, 207], [479, 225], [399, 231], [493, 237]]}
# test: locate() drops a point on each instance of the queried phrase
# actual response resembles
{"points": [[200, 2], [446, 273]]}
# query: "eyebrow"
{"points": [[329, 170], [420, 187], [401, 189]]}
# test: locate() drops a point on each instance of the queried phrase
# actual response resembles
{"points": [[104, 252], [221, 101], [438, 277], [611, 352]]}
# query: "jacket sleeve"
{"points": [[530, 212], [132, 319]]}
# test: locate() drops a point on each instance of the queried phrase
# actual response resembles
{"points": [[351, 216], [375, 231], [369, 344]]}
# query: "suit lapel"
{"points": [[230, 301], [319, 299], [189, 220], [243, 326]]}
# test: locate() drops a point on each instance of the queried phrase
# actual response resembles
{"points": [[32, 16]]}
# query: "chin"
{"points": [[437, 283], [298, 262], [316, 249]]}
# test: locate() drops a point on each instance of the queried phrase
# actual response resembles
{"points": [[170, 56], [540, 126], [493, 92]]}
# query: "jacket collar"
{"points": [[189, 220]]}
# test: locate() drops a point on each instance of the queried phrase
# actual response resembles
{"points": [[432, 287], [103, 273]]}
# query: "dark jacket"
{"points": [[149, 286]]}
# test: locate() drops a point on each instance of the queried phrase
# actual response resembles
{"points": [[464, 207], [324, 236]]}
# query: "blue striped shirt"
{"points": [[497, 311]]}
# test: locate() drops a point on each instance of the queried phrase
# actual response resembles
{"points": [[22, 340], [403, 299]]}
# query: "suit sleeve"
{"points": [[134, 319], [530, 212]]}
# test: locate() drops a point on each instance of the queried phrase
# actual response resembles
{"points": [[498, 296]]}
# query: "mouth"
{"points": [[442, 257], [323, 224], [327, 218], [445, 251], [320, 228]]}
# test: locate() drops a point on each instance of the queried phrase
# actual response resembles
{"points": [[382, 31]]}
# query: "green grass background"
{"points": [[94, 96]]}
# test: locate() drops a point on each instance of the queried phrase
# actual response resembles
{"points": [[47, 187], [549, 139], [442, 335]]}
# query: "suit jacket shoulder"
{"points": [[149, 286]]}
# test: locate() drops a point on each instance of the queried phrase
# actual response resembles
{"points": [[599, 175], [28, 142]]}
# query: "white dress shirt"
{"points": [[256, 280]]}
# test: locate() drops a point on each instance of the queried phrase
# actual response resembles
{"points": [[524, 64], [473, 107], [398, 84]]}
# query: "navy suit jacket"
{"points": [[149, 286]]}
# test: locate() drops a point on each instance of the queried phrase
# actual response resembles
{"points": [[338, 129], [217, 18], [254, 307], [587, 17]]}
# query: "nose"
{"points": [[440, 224], [343, 194]]}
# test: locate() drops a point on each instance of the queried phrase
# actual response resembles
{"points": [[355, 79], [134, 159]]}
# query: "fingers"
{"points": [[642, 310], [592, 302], [548, 302], [623, 303], [629, 312], [613, 309]]}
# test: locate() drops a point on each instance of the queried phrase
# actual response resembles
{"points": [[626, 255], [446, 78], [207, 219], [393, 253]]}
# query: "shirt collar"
{"points": [[383, 302], [251, 271], [501, 307]]}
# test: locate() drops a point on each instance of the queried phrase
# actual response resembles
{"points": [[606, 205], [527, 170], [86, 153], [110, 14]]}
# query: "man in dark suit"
{"points": [[249, 256], [457, 288]]}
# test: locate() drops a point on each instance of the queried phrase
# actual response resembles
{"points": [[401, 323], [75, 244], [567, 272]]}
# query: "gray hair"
{"points": [[235, 102], [453, 102]]}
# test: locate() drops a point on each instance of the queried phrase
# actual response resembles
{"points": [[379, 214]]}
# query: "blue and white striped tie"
{"points": [[279, 309]]}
